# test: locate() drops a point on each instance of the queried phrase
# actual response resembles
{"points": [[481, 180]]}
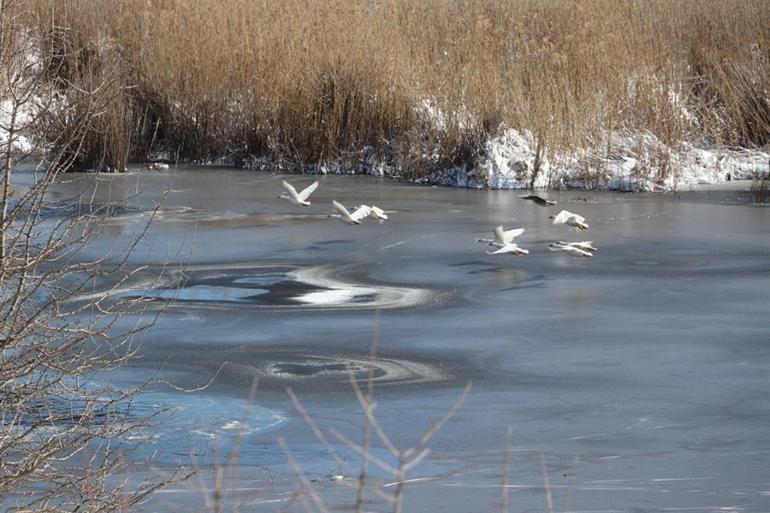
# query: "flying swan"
{"points": [[503, 237], [295, 198], [566, 217], [345, 216], [570, 250], [586, 245]]}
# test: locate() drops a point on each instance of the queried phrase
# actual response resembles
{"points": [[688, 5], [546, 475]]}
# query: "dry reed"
{"points": [[760, 186], [310, 82]]}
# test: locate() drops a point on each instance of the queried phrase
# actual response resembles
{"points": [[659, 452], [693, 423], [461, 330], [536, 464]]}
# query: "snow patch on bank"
{"points": [[435, 117], [13, 126], [22, 99], [624, 162]]}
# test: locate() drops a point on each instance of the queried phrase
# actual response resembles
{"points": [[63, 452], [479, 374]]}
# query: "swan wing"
{"points": [[512, 234], [339, 207], [570, 249], [507, 248], [307, 191], [584, 244], [504, 249], [505, 237], [500, 234], [361, 212], [291, 190], [588, 246], [562, 217]]}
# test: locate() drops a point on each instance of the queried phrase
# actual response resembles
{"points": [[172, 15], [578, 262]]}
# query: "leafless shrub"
{"points": [[64, 433], [87, 73], [405, 459], [216, 492]]}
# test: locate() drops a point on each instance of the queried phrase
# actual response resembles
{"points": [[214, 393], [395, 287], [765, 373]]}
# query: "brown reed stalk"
{"points": [[311, 82]]}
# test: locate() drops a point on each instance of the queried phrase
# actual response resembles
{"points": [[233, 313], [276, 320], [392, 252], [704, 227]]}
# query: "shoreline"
{"points": [[743, 183], [630, 163]]}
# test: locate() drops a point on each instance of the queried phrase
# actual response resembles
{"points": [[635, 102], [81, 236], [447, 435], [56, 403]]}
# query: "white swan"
{"points": [[503, 237], [295, 198], [570, 250], [345, 216], [509, 248], [585, 245], [566, 217]]}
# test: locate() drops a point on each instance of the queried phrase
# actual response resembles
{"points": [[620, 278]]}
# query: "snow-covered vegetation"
{"points": [[632, 95], [625, 163]]}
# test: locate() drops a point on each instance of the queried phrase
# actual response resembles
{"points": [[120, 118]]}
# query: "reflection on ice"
{"points": [[201, 293], [272, 286], [336, 292]]}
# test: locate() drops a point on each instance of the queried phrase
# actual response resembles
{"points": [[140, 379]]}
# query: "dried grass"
{"points": [[760, 187], [309, 82]]}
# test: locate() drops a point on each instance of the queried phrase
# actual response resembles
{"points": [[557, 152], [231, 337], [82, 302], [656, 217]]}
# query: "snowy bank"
{"points": [[634, 161], [631, 162], [22, 97], [15, 123]]}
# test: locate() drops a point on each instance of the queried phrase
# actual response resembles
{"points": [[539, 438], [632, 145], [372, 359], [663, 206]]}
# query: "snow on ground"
{"points": [[626, 162], [632, 162], [434, 116], [20, 102], [15, 125]]}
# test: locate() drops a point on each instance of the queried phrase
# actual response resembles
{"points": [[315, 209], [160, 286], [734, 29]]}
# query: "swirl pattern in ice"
{"points": [[308, 368], [272, 286]]}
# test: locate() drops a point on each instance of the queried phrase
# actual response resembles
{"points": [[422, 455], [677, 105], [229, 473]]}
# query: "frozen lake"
{"points": [[641, 375]]}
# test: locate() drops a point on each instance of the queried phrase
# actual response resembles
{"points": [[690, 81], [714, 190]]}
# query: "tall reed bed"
{"points": [[417, 84]]}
